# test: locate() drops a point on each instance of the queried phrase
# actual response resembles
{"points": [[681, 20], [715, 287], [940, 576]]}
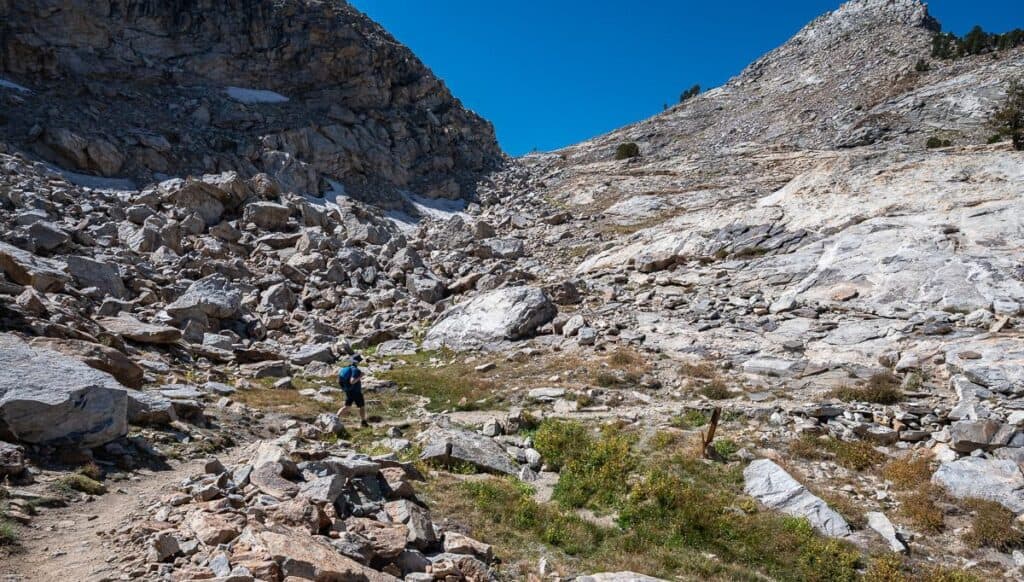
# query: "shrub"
{"points": [[882, 388], [1008, 120], [854, 455], [937, 142], [922, 66], [921, 509], [626, 151], [993, 526], [91, 470], [715, 390], [596, 477], [689, 93], [908, 472], [8, 535], [690, 419], [78, 482], [699, 370], [725, 447], [558, 441]]}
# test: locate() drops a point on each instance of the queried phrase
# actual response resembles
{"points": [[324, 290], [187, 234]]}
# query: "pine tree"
{"points": [[1008, 120], [689, 93]]}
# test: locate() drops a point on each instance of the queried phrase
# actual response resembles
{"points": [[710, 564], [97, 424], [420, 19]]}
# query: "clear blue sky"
{"points": [[550, 73]]}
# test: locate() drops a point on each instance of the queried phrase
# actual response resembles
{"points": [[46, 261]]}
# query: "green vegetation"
{"points": [[1008, 120], [946, 45], [691, 419], [79, 482], [882, 388], [689, 93], [892, 568], [8, 535], [937, 142], [993, 526], [453, 385], [922, 66], [908, 472], [626, 151], [715, 390], [854, 455], [919, 499]]}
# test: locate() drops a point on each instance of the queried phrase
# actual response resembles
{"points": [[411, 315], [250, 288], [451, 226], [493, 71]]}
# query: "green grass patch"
{"points": [[690, 420], [451, 385], [78, 482]]}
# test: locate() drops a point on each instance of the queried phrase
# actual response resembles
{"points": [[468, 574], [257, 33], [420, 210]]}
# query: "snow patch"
{"points": [[12, 85], [253, 96], [425, 207]]}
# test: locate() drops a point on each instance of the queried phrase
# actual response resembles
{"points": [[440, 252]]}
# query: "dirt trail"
{"points": [[69, 544]]}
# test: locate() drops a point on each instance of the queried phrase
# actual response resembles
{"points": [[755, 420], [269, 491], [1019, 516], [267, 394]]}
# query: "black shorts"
{"points": [[354, 397]]}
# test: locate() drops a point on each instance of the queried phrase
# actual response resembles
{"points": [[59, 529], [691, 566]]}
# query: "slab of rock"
{"points": [[313, 353], [765, 366], [397, 347], [883, 527], [302, 556], [212, 296], [213, 529], [47, 397], [970, 435], [776, 489], [998, 480], [267, 215], [456, 543], [505, 314], [25, 268], [150, 408], [132, 329], [97, 356], [91, 273], [453, 444]]}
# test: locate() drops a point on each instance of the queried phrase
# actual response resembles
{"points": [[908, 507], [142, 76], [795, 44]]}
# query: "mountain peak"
{"points": [[858, 14]]}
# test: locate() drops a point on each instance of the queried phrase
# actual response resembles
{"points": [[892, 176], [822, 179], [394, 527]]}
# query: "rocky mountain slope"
{"points": [[207, 206]]}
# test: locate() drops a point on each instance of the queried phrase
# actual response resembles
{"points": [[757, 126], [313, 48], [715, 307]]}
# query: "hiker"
{"points": [[350, 378]]}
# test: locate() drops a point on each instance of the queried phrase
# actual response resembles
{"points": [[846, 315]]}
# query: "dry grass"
{"points": [[993, 526], [703, 370], [908, 472], [882, 388], [288, 402], [921, 509], [715, 390], [892, 568], [854, 455], [78, 482]]}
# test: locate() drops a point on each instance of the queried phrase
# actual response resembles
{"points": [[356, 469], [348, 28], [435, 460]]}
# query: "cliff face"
{"points": [[149, 82]]}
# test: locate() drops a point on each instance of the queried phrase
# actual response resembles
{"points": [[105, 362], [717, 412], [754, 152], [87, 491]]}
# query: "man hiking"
{"points": [[350, 378]]}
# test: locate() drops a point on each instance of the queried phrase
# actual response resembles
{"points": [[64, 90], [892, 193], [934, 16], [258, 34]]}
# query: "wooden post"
{"points": [[709, 436]]}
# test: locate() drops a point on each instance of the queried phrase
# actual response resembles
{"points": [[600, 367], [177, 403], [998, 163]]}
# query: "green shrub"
{"points": [[626, 151], [689, 93], [691, 419], [8, 535], [937, 142], [922, 66], [854, 455], [559, 440], [1008, 120], [715, 390], [78, 482], [725, 447], [596, 477]]}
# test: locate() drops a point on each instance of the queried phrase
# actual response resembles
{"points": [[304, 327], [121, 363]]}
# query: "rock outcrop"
{"points": [[49, 398]]}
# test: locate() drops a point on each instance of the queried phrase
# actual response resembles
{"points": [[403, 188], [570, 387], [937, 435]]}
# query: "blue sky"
{"points": [[555, 72]]}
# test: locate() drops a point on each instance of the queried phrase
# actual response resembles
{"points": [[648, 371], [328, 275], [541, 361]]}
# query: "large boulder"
{"points": [[453, 444], [91, 273], [504, 314], [776, 489], [212, 296], [302, 556], [132, 329], [12, 460], [97, 356], [47, 397], [25, 268], [998, 480]]}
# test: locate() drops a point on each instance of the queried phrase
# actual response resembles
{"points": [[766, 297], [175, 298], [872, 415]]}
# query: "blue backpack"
{"points": [[346, 375]]}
